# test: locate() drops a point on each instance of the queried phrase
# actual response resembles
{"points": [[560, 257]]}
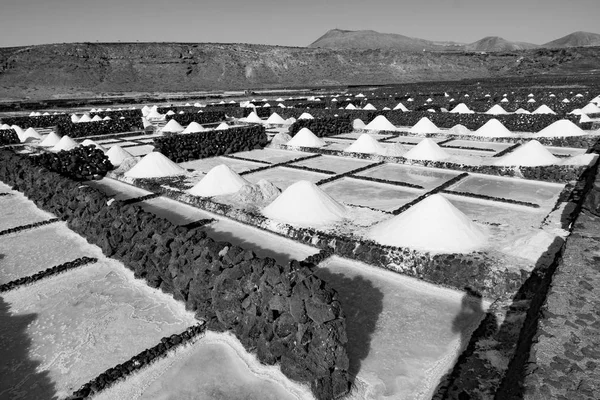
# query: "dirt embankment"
{"points": [[47, 70]]}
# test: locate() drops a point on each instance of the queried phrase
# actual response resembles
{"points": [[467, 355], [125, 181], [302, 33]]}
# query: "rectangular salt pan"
{"points": [[141, 150], [428, 178], [283, 177], [206, 164], [118, 190], [272, 156], [18, 210], [336, 164]]}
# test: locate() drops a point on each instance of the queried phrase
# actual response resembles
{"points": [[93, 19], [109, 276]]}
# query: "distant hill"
{"points": [[575, 39], [495, 43], [369, 39]]}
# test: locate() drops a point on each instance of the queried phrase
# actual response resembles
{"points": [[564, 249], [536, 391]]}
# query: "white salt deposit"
{"points": [[401, 107], [493, 128], [85, 118], [65, 143], [350, 107], [74, 118], [566, 101], [496, 110], [460, 130], [116, 155], [172, 127], [155, 115], [275, 119], [146, 123], [369, 107], [358, 124], [380, 123], [107, 118], [366, 144], [280, 138], [522, 111], [170, 112], [424, 126], [543, 109], [306, 138], [20, 132], [155, 165], [531, 101], [96, 118], [591, 108], [193, 127], [89, 142], [290, 121], [434, 225], [304, 203], [461, 109], [504, 100], [305, 115], [560, 128], [222, 126], [584, 118], [253, 118], [50, 140], [219, 180], [30, 134], [427, 149], [530, 154], [4, 126]]}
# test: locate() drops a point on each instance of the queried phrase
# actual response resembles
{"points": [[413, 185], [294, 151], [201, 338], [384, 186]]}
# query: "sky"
{"points": [[288, 23]]}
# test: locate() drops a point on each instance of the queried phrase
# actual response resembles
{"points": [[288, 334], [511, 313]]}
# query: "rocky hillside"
{"points": [[575, 39], [44, 71], [495, 43]]}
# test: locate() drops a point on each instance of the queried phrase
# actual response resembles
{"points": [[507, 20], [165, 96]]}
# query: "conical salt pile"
{"points": [[5, 126], [65, 143], [20, 132], [85, 118], [543, 109], [424, 126], [522, 111], [306, 138], [280, 138], [434, 225], [29, 134], [89, 142], [107, 118], [427, 149], [96, 118], [116, 154], [219, 180], [74, 118], [193, 127], [401, 107], [155, 165], [172, 127], [358, 124], [496, 110], [253, 118], [461, 109], [380, 123], [350, 107], [591, 108], [366, 144], [290, 121], [222, 126], [304, 203], [493, 128], [584, 118], [369, 107], [531, 154], [459, 130], [560, 128], [155, 115], [51, 140], [305, 116], [275, 119]]}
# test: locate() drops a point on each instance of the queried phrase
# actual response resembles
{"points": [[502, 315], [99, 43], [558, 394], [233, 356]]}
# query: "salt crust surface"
{"points": [[155, 165], [218, 181]]}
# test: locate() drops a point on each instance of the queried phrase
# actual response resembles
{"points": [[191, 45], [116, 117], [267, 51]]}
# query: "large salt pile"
{"points": [[84, 118], [29, 134], [560, 128], [304, 203], [424, 126], [65, 143], [306, 138], [358, 124], [275, 119], [219, 180], [461, 109], [280, 138], [155, 165], [493, 128], [193, 127], [50, 140], [380, 123], [253, 118], [74, 118], [116, 155], [366, 144], [531, 154], [427, 149], [434, 225], [401, 107], [496, 110], [305, 115], [591, 108], [20, 132], [584, 118], [543, 109], [459, 130], [222, 126], [89, 142], [172, 127], [350, 107]]}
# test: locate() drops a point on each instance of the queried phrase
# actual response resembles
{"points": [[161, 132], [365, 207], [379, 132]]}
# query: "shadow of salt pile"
{"points": [[362, 303], [19, 378]]}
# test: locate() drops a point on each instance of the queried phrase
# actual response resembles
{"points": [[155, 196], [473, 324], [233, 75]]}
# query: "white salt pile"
{"points": [[155, 115], [350, 107], [305, 115], [172, 127], [261, 193], [434, 225], [29, 134], [461, 109], [304, 203], [222, 126], [424, 126], [89, 142], [560, 128], [107, 118], [369, 107], [522, 111], [459, 130], [496, 110], [531, 154], [116, 155], [65, 143], [584, 118], [4, 126], [275, 119], [50, 140], [493, 128], [401, 107], [170, 112], [290, 121], [253, 118], [543, 109], [306, 138], [85, 118], [193, 127], [358, 124], [20, 132], [146, 123], [219, 180], [280, 138], [427, 149], [504, 100], [74, 118], [155, 165], [96, 118], [591, 108], [380, 123], [531, 101], [365, 144]]}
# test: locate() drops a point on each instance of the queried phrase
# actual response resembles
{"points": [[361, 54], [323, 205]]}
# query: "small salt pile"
{"points": [[584, 118], [84, 118], [50, 140], [155, 165], [20, 132], [401, 107], [380, 123], [496, 110], [306, 138], [275, 119], [366, 144], [350, 107], [424, 126], [531, 154], [522, 111], [172, 127], [193, 127], [96, 118], [222, 126], [29, 134], [65, 143], [459, 130], [219, 180], [74, 118], [280, 138], [591, 108], [253, 118], [358, 124], [461, 109], [89, 142], [304, 203], [427, 149], [305, 115], [543, 109], [370, 107], [561, 128], [116, 155], [493, 128], [434, 225]]}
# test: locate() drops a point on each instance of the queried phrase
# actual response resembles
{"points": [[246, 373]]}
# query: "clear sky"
{"points": [[293, 23]]}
